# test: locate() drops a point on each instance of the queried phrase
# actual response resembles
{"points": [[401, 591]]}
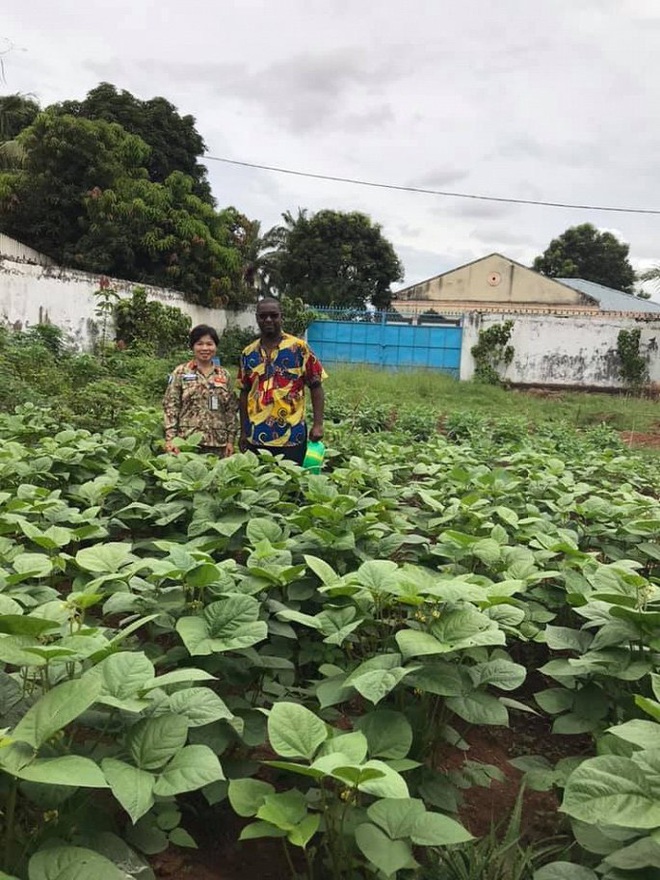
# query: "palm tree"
{"points": [[261, 258]]}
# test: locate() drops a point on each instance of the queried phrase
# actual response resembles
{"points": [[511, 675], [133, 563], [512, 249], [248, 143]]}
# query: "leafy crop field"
{"points": [[191, 645]]}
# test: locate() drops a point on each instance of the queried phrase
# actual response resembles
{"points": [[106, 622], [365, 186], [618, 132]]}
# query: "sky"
{"points": [[550, 100]]}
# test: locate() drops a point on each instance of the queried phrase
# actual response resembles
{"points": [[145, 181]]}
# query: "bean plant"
{"points": [[303, 648]]}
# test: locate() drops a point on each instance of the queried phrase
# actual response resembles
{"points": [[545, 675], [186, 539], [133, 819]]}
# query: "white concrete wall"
{"points": [[16, 250], [33, 294], [563, 351]]}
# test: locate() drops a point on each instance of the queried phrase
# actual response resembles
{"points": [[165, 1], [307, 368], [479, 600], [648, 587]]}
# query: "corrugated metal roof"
{"points": [[610, 300]]}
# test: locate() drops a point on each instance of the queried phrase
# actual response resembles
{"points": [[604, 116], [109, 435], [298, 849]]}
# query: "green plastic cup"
{"points": [[314, 456]]}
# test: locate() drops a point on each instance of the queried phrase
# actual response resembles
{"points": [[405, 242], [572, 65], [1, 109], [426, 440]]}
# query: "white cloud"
{"points": [[550, 101]]}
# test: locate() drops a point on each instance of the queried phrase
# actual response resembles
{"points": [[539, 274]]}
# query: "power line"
{"points": [[434, 192]]}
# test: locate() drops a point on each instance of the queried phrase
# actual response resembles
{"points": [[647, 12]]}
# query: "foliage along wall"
{"points": [[31, 294]]}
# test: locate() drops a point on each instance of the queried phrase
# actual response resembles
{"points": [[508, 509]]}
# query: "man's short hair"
{"points": [[269, 301]]}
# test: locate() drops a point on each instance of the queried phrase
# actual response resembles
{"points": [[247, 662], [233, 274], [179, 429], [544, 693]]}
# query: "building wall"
{"points": [[35, 294], [16, 250], [563, 351], [493, 280]]}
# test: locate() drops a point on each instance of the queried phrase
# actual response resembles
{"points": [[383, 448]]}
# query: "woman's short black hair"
{"points": [[202, 330]]}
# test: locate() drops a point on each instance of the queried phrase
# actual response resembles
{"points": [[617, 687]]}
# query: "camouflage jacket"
{"points": [[196, 403]]}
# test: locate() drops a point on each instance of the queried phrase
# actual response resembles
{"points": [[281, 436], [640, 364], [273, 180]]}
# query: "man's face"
{"points": [[269, 319]]}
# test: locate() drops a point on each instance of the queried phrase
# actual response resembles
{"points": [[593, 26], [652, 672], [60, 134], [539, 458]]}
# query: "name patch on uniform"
{"points": [[189, 377]]}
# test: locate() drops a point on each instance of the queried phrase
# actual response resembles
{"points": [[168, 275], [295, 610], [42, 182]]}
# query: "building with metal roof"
{"points": [[497, 283], [609, 299]]}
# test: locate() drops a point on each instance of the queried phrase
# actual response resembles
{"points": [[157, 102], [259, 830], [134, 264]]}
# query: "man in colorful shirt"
{"points": [[274, 371]]}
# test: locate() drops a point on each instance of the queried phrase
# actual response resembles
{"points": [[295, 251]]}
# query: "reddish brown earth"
{"points": [[641, 441]]}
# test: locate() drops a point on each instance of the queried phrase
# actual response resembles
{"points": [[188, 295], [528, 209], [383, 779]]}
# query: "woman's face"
{"points": [[204, 349]]}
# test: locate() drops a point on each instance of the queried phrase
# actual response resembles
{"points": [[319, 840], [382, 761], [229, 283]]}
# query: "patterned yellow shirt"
{"points": [[275, 383]]}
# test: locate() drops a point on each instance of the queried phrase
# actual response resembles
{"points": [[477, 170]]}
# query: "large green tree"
{"points": [[16, 113], [585, 252], [333, 258], [84, 197], [175, 143]]}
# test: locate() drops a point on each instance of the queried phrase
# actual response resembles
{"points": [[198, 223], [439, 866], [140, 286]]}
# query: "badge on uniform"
{"points": [[213, 402], [189, 377]]}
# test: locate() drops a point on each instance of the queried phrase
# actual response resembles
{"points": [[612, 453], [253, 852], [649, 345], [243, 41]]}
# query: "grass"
{"points": [[444, 394]]}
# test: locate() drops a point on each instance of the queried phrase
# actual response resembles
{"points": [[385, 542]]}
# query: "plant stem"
{"points": [[289, 860], [10, 817]]}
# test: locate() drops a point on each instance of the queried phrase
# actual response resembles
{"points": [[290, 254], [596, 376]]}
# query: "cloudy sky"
{"points": [[536, 99]]}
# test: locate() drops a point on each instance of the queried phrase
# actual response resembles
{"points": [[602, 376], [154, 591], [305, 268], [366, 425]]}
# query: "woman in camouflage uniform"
{"points": [[200, 399]]}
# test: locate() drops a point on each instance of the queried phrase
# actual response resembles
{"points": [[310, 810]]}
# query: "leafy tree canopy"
{"points": [[333, 258], [16, 113], [175, 143], [585, 252], [83, 196]]}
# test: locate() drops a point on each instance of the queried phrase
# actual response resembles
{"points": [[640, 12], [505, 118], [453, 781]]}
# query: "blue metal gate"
{"points": [[395, 343]]}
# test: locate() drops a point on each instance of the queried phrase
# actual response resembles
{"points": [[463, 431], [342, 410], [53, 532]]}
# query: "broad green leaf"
{"points": [[487, 551], [132, 787], [651, 707], [388, 733], [388, 856], [562, 638], [500, 673], [199, 706], [354, 745], [261, 528], [322, 570], [611, 790], [177, 676], [294, 731], [247, 795], [153, 741], [256, 830], [285, 810], [104, 558], [479, 708], [460, 628], [376, 684], [57, 708], [645, 734], [190, 769], [555, 700], [564, 871], [180, 837], [10, 606], [414, 643], [442, 678], [72, 863], [71, 770], [378, 576], [434, 829], [390, 785], [396, 816], [34, 565], [124, 673], [305, 830], [643, 853], [227, 625], [24, 625]]}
